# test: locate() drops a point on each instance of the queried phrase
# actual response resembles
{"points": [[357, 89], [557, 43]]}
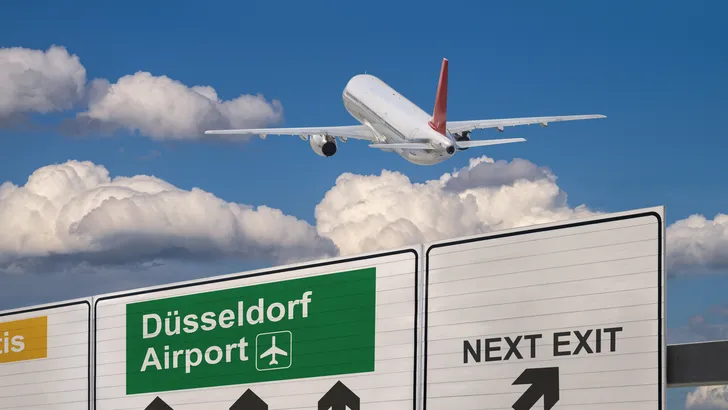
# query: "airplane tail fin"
{"points": [[439, 114]]}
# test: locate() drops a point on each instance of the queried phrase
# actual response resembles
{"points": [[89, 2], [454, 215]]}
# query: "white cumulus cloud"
{"points": [[75, 212], [156, 106], [364, 213], [38, 81], [707, 398], [163, 108], [698, 243]]}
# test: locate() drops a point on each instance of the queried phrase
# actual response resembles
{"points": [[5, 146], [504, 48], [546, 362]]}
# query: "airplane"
{"points": [[273, 351], [392, 123]]}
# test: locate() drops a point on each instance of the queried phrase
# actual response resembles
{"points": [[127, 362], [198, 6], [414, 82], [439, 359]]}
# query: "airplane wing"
{"points": [[273, 350], [343, 132], [483, 143], [460, 126]]}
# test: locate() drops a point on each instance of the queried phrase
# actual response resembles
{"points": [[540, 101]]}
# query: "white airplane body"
{"points": [[391, 122], [272, 352]]}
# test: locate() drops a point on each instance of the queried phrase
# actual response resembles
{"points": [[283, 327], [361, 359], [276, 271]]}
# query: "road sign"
{"points": [[45, 354], [288, 335], [567, 315]]}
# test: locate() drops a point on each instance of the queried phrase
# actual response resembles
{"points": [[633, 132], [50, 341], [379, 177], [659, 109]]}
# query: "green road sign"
{"points": [[307, 327]]}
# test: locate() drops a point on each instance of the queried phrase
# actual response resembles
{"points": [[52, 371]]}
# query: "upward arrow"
{"points": [[249, 401], [544, 382], [158, 404], [339, 397]]}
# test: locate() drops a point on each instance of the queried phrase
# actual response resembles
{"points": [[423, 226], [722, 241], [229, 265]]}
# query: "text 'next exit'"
{"points": [[565, 343]]}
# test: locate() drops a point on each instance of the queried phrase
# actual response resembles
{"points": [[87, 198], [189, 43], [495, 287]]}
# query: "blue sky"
{"points": [[656, 69]]}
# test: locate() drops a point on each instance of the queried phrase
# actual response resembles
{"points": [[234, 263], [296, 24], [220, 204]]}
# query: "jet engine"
{"points": [[323, 145], [464, 137]]}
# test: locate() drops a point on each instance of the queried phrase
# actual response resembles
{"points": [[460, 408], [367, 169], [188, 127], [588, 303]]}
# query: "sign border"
{"points": [[276, 270], [88, 328], [660, 288]]}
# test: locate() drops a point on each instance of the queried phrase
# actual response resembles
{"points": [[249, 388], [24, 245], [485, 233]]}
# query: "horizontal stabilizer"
{"points": [[403, 145], [483, 143]]}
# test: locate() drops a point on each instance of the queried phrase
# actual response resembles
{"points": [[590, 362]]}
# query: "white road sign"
{"points": [[329, 335], [559, 316], [44, 357]]}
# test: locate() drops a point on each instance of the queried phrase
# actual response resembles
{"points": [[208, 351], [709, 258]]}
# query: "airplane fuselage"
{"points": [[395, 119]]}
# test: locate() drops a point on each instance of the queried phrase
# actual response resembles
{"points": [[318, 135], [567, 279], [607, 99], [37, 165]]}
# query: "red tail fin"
{"points": [[439, 115]]}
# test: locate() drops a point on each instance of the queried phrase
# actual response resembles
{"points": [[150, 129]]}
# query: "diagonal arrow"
{"points": [[158, 404], [544, 383], [339, 397], [249, 401]]}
